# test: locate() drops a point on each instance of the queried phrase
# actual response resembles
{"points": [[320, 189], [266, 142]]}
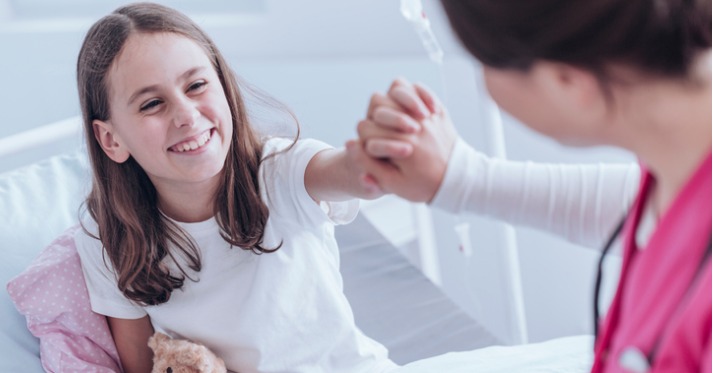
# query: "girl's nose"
{"points": [[185, 113]]}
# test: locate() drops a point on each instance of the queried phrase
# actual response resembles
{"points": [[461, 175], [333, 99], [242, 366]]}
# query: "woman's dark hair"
{"points": [[658, 37], [135, 235]]}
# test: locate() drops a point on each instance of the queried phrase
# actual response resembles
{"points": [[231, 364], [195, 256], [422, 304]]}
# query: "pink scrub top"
{"points": [[660, 318]]}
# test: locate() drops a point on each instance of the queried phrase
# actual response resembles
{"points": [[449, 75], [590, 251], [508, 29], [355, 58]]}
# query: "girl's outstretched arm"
{"points": [[131, 338], [332, 175]]}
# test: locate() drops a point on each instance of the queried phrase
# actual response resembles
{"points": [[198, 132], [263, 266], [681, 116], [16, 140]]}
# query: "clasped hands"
{"points": [[404, 143]]}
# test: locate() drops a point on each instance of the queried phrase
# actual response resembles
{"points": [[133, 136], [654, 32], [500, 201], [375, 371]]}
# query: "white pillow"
{"points": [[37, 203]]}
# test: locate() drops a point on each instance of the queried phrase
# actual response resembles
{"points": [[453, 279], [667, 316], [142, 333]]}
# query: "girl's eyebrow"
{"points": [[152, 88]]}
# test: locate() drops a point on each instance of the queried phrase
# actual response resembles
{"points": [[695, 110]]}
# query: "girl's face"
{"points": [[168, 111]]}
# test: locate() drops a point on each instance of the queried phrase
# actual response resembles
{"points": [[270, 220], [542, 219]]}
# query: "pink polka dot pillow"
{"points": [[53, 297]]}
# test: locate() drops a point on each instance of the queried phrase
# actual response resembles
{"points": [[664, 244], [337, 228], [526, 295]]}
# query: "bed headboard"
{"points": [[40, 143]]}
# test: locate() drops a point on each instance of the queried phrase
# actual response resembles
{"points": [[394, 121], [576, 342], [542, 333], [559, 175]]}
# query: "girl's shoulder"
{"points": [[284, 154], [275, 145], [281, 179], [285, 159], [87, 228], [87, 241]]}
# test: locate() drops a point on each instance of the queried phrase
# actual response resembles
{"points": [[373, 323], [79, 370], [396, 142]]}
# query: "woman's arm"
{"points": [[131, 339], [579, 202]]}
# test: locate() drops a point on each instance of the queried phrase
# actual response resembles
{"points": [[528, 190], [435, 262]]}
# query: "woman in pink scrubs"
{"points": [[629, 73]]}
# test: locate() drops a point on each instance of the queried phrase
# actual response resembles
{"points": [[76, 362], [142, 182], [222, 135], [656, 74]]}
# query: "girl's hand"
{"points": [[405, 142]]}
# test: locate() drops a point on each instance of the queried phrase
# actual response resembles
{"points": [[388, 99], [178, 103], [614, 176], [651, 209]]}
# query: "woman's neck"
{"points": [[670, 130]]}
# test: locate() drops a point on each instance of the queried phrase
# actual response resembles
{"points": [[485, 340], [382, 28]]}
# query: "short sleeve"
{"points": [[104, 294], [282, 176]]}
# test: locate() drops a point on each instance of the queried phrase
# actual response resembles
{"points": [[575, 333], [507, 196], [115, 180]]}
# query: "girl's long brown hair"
{"points": [[135, 235]]}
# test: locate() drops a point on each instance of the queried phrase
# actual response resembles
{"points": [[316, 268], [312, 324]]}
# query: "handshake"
{"points": [[404, 143]]}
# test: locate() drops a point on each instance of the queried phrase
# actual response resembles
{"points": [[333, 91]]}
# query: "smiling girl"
{"points": [[196, 226]]}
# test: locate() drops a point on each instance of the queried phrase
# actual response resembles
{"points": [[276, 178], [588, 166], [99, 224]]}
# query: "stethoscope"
{"points": [[632, 358], [600, 265]]}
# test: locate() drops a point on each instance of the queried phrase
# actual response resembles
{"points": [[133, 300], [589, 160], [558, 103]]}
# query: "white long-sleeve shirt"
{"points": [[579, 202]]}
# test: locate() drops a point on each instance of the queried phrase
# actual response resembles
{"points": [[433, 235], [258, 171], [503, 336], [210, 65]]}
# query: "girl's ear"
{"points": [[110, 141]]}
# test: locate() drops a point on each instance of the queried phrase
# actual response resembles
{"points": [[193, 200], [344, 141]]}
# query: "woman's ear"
{"points": [[578, 91], [110, 141]]}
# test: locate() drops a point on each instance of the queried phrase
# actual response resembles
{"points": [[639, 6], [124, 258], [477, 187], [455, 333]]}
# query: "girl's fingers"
{"points": [[428, 97], [379, 100], [409, 99], [375, 170], [396, 120], [385, 148], [400, 82], [368, 129], [370, 183], [415, 99]]}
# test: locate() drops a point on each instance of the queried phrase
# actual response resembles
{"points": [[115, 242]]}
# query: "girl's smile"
{"points": [[193, 144]]}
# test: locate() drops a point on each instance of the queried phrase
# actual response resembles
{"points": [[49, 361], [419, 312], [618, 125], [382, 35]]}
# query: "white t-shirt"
{"points": [[277, 312]]}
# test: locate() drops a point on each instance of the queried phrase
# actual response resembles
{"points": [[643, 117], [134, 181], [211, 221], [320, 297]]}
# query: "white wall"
{"points": [[324, 58], [39, 55]]}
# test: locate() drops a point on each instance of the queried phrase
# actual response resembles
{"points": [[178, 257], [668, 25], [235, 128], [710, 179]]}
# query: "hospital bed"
{"points": [[393, 301]]}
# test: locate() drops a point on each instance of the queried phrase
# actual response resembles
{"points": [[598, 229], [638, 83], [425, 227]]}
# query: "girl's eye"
{"points": [[150, 105], [197, 86]]}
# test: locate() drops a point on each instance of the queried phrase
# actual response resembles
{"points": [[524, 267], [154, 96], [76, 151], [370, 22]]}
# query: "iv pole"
{"points": [[412, 10]]}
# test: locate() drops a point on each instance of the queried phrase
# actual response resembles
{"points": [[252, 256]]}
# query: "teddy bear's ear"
{"points": [[157, 340]]}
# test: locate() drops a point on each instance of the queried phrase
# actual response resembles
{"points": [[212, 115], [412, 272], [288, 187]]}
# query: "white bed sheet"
{"points": [[562, 355]]}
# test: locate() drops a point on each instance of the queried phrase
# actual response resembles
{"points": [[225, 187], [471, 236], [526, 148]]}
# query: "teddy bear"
{"points": [[182, 356]]}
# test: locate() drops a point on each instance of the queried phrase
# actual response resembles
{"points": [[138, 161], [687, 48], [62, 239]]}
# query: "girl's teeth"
{"points": [[194, 144]]}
